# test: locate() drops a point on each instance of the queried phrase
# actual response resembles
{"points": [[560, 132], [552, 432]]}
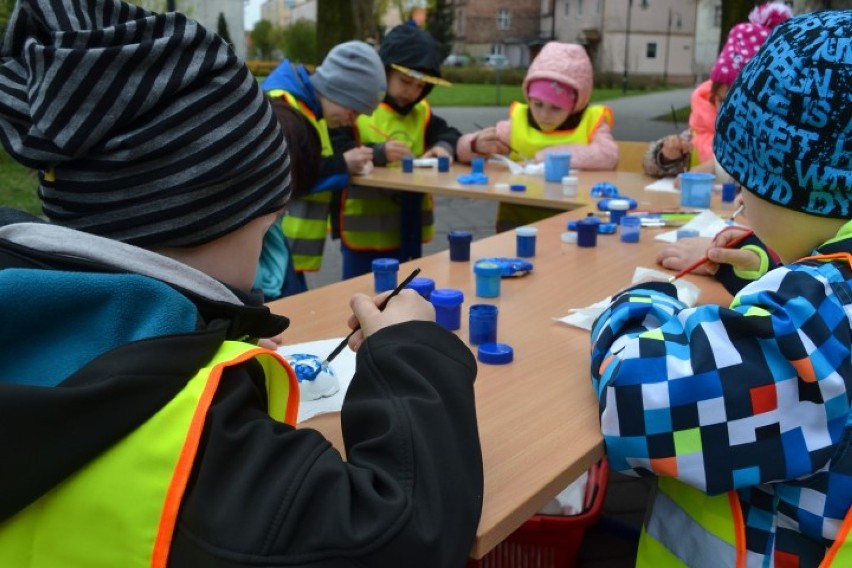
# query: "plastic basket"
{"points": [[546, 541]]}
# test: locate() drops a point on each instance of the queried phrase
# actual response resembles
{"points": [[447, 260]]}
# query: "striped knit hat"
{"points": [[145, 128]]}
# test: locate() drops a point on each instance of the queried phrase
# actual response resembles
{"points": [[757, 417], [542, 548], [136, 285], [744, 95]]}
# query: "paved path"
{"points": [[632, 122]]}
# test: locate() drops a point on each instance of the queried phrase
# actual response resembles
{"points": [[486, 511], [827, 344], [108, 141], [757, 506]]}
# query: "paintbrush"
{"points": [[382, 306], [704, 258], [381, 132], [514, 151], [736, 213], [674, 119]]}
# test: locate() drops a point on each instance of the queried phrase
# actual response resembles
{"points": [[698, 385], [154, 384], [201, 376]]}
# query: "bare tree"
{"points": [[343, 20]]}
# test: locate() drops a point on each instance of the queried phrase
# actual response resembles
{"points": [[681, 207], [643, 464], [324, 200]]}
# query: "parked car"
{"points": [[457, 60], [496, 60]]}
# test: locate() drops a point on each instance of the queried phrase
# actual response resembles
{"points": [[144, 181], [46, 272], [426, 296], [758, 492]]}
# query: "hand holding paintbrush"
{"points": [[724, 239]]}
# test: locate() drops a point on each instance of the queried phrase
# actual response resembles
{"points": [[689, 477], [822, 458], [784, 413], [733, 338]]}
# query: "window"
{"points": [[717, 16], [651, 50], [504, 19], [579, 8], [598, 7], [567, 7]]}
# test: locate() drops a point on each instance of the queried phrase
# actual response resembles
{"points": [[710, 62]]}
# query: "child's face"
{"points": [[548, 116], [335, 115], [402, 89]]}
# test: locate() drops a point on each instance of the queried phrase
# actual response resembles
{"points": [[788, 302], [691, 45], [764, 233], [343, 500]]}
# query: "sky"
{"points": [[251, 13]]}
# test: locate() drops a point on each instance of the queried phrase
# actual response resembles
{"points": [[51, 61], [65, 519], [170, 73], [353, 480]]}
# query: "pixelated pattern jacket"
{"points": [[753, 398]]}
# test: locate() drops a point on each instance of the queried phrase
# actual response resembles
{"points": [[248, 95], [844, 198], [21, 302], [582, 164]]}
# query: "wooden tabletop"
{"points": [[538, 418], [538, 192]]}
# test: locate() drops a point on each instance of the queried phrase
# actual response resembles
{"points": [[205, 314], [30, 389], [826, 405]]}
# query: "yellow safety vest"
{"points": [[306, 221], [121, 509], [529, 140], [370, 219]]}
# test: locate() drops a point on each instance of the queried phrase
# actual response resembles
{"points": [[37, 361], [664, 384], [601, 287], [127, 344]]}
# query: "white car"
{"points": [[496, 60], [457, 60]]}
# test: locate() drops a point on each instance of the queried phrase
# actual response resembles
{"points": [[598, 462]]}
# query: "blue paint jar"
{"points": [[617, 210], [482, 325], [422, 286], [487, 278], [384, 273], [408, 164], [587, 232], [460, 245], [443, 163], [447, 303], [477, 165], [525, 241], [630, 229], [729, 192]]}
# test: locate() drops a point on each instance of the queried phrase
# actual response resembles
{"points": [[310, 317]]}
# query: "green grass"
{"points": [[18, 185]]}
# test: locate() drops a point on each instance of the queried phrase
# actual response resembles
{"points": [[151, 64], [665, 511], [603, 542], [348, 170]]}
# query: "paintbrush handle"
{"points": [[704, 258], [382, 306]]}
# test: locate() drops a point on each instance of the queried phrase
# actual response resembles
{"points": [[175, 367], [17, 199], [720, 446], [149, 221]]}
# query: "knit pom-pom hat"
{"points": [[565, 63]]}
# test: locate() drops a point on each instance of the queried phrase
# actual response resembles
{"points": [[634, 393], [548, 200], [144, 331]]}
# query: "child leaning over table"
{"points": [[743, 413], [557, 117]]}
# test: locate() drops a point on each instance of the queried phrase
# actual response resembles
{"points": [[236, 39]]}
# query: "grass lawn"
{"points": [[18, 185]]}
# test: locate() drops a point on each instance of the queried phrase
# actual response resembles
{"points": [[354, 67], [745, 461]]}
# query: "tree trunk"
{"points": [[733, 12], [343, 20]]}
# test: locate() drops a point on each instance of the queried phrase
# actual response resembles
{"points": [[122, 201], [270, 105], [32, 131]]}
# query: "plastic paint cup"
{"points": [[443, 163], [408, 165], [487, 279], [482, 324], [447, 303], [630, 229], [459, 245], [384, 273], [570, 185], [696, 188], [422, 286], [729, 192], [525, 241], [557, 165], [477, 166], [587, 232]]}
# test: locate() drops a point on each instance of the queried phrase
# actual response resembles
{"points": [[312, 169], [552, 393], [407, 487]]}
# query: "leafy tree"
{"points": [[343, 20], [265, 39], [5, 11], [300, 42], [222, 29], [440, 24]]}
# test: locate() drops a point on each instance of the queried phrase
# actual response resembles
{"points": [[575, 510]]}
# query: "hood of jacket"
{"points": [[415, 49], [97, 347], [294, 79], [566, 63]]}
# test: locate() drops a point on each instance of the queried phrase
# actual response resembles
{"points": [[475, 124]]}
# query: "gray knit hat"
{"points": [[784, 131], [145, 128], [352, 75]]}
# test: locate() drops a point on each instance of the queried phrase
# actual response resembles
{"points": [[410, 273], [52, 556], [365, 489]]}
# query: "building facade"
{"points": [[206, 12], [485, 27]]}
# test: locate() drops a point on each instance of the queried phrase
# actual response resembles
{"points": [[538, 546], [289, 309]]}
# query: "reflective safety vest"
{"points": [[529, 140], [371, 218], [121, 508], [306, 221]]}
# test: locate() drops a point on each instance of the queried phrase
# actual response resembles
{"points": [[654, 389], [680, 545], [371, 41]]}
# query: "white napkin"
{"points": [[707, 223], [570, 500], [687, 293], [665, 184], [343, 366]]}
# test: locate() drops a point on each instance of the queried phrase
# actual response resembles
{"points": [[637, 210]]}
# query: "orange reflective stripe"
{"points": [[828, 257], [739, 528], [840, 541]]}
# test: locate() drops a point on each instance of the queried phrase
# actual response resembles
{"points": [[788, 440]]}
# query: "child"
{"points": [[144, 425], [693, 148], [349, 82], [556, 118], [382, 223], [743, 413]]}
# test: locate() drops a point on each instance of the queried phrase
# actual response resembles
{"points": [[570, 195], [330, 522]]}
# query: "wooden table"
{"points": [[538, 192], [538, 418]]}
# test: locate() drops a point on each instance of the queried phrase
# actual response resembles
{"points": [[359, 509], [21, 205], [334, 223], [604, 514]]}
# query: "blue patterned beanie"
{"points": [[784, 131]]}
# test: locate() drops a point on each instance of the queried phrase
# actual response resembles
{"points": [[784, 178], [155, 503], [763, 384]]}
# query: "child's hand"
{"points": [[488, 142], [272, 343], [396, 151], [675, 147], [738, 258], [436, 151], [357, 159], [408, 305], [684, 252]]}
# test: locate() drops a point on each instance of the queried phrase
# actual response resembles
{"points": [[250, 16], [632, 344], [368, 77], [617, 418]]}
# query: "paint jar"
{"points": [[447, 303], [729, 192], [630, 228], [488, 276], [570, 185], [459, 245], [686, 234], [482, 324], [617, 210], [477, 166], [495, 353], [443, 163], [557, 165], [696, 189], [587, 232], [408, 165], [525, 241], [422, 286], [384, 273]]}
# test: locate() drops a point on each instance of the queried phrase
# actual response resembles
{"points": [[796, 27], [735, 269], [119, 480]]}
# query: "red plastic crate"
{"points": [[547, 541]]}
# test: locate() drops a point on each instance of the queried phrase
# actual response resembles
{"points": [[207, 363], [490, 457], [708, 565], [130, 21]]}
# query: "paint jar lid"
{"points": [[570, 180], [518, 187], [619, 205], [446, 297], [460, 236], [495, 353], [486, 268], [568, 237], [385, 265], [526, 231]]}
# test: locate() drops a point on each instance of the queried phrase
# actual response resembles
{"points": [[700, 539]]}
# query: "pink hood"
{"points": [[566, 63]]}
